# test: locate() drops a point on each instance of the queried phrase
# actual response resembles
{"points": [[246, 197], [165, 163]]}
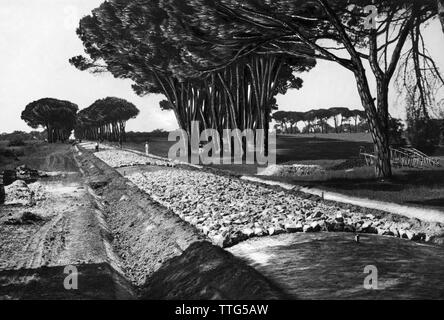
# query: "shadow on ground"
{"points": [[332, 265], [95, 281], [207, 272]]}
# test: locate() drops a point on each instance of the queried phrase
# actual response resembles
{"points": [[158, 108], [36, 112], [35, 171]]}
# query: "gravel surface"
{"points": [[229, 210], [121, 158], [294, 170]]}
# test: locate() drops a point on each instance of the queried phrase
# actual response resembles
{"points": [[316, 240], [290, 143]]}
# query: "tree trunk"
{"points": [[441, 12], [383, 165], [377, 123]]}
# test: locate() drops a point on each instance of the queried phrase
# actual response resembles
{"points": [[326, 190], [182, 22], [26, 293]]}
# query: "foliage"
{"points": [[176, 57], [16, 143], [396, 132], [25, 136], [57, 116], [105, 119], [424, 134]]}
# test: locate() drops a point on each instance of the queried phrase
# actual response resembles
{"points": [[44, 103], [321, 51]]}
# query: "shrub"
{"points": [[7, 153], [396, 132], [16, 143], [424, 134]]}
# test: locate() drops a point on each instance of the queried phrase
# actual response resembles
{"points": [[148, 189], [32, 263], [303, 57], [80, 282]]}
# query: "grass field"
{"points": [[297, 148]]}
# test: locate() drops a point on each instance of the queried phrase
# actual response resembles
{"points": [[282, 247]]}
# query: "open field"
{"points": [[324, 150], [409, 186], [319, 147], [354, 137]]}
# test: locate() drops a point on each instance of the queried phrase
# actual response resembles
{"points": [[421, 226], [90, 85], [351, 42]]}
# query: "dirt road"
{"points": [[64, 230]]}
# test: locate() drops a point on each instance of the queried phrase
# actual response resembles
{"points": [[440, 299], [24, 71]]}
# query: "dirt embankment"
{"points": [[165, 256], [205, 271]]}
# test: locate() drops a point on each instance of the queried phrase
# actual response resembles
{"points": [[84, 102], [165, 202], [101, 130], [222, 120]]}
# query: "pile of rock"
{"points": [[121, 158], [20, 193], [229, 210], [295, 170]]}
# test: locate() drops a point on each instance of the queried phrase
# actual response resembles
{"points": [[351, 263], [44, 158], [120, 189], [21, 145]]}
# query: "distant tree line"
{"points": [[105, 119], [146, 136], [317, 121], [23, 136]]}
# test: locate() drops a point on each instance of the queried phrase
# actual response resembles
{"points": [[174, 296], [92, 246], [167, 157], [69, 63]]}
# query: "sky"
{"points": [[37, 38]]}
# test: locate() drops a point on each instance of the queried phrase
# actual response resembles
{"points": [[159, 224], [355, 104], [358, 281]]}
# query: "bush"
{"points": [[7, 153], [396, 133], [424, 135], [16, 143]]}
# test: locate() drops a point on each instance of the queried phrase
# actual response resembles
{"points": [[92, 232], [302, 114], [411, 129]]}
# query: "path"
{"points": [[424, 214]]}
